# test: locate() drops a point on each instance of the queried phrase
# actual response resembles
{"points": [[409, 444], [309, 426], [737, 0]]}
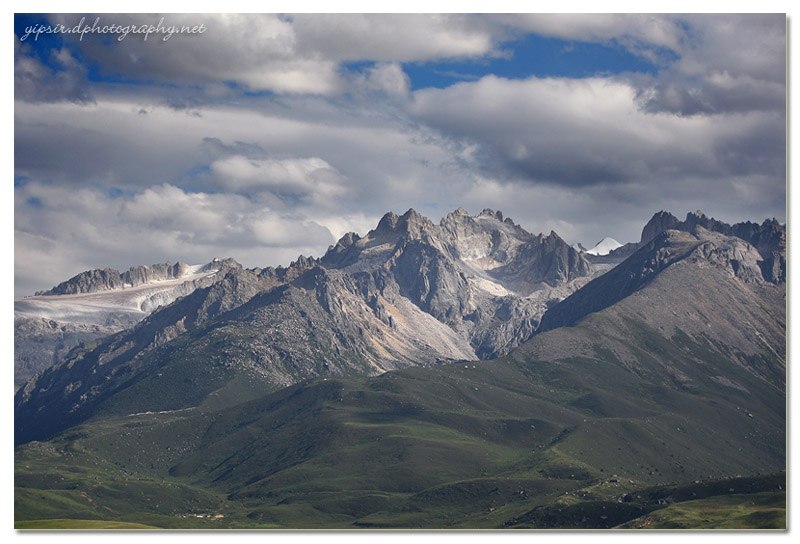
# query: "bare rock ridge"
{"points": [[660, 222], [486, 245], [483, 276]]}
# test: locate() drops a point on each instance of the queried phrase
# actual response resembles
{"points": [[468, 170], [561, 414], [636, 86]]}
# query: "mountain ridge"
{"points": [[370, 309]]}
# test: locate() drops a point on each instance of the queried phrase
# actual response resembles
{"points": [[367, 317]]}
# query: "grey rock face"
{"points": [[544, 259], [40, 343]]}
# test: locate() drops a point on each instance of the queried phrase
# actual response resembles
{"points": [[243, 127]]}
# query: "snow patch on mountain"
{"points": [[491, 287], [121, 307]]}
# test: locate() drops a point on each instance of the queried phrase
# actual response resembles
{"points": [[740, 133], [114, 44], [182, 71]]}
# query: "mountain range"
{"points": [[461, 374]]}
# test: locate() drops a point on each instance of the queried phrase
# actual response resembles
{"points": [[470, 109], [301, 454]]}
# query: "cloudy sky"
{"points": [[268, 136]]}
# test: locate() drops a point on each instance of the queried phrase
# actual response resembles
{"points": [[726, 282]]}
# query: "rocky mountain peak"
{"points": [[388, 222], [699, 218], [411, 223], [414, 223], [344, 243], [458, 216], [730, 253], [413, 215], [219, 264], [304, 262], [348, 239], [660, 222], [491, 213]]}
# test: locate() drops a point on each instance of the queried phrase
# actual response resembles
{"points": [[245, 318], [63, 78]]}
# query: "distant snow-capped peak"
{"points": [[604, 246]]}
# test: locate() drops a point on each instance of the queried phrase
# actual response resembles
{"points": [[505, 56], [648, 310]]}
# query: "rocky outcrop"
{"points": [[544, 260]]}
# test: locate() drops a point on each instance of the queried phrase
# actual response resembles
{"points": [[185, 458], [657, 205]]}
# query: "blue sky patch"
{"points": [[534, 56]]}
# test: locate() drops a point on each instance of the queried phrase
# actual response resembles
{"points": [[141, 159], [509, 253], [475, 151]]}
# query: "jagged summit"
{"points": [[483, 246], [387, 222], [491, 213], [304, 262], [410, 220]]}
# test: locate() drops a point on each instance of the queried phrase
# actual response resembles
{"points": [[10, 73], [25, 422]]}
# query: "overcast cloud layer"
{"points": [[271, 136]]}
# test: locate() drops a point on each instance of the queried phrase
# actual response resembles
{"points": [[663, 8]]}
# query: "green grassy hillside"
{"points": [[461, 445]]}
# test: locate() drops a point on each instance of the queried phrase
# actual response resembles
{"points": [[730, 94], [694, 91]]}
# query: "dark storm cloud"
{"points": [[110, 144], [586, 132], [759, 148], [713, 96]]}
